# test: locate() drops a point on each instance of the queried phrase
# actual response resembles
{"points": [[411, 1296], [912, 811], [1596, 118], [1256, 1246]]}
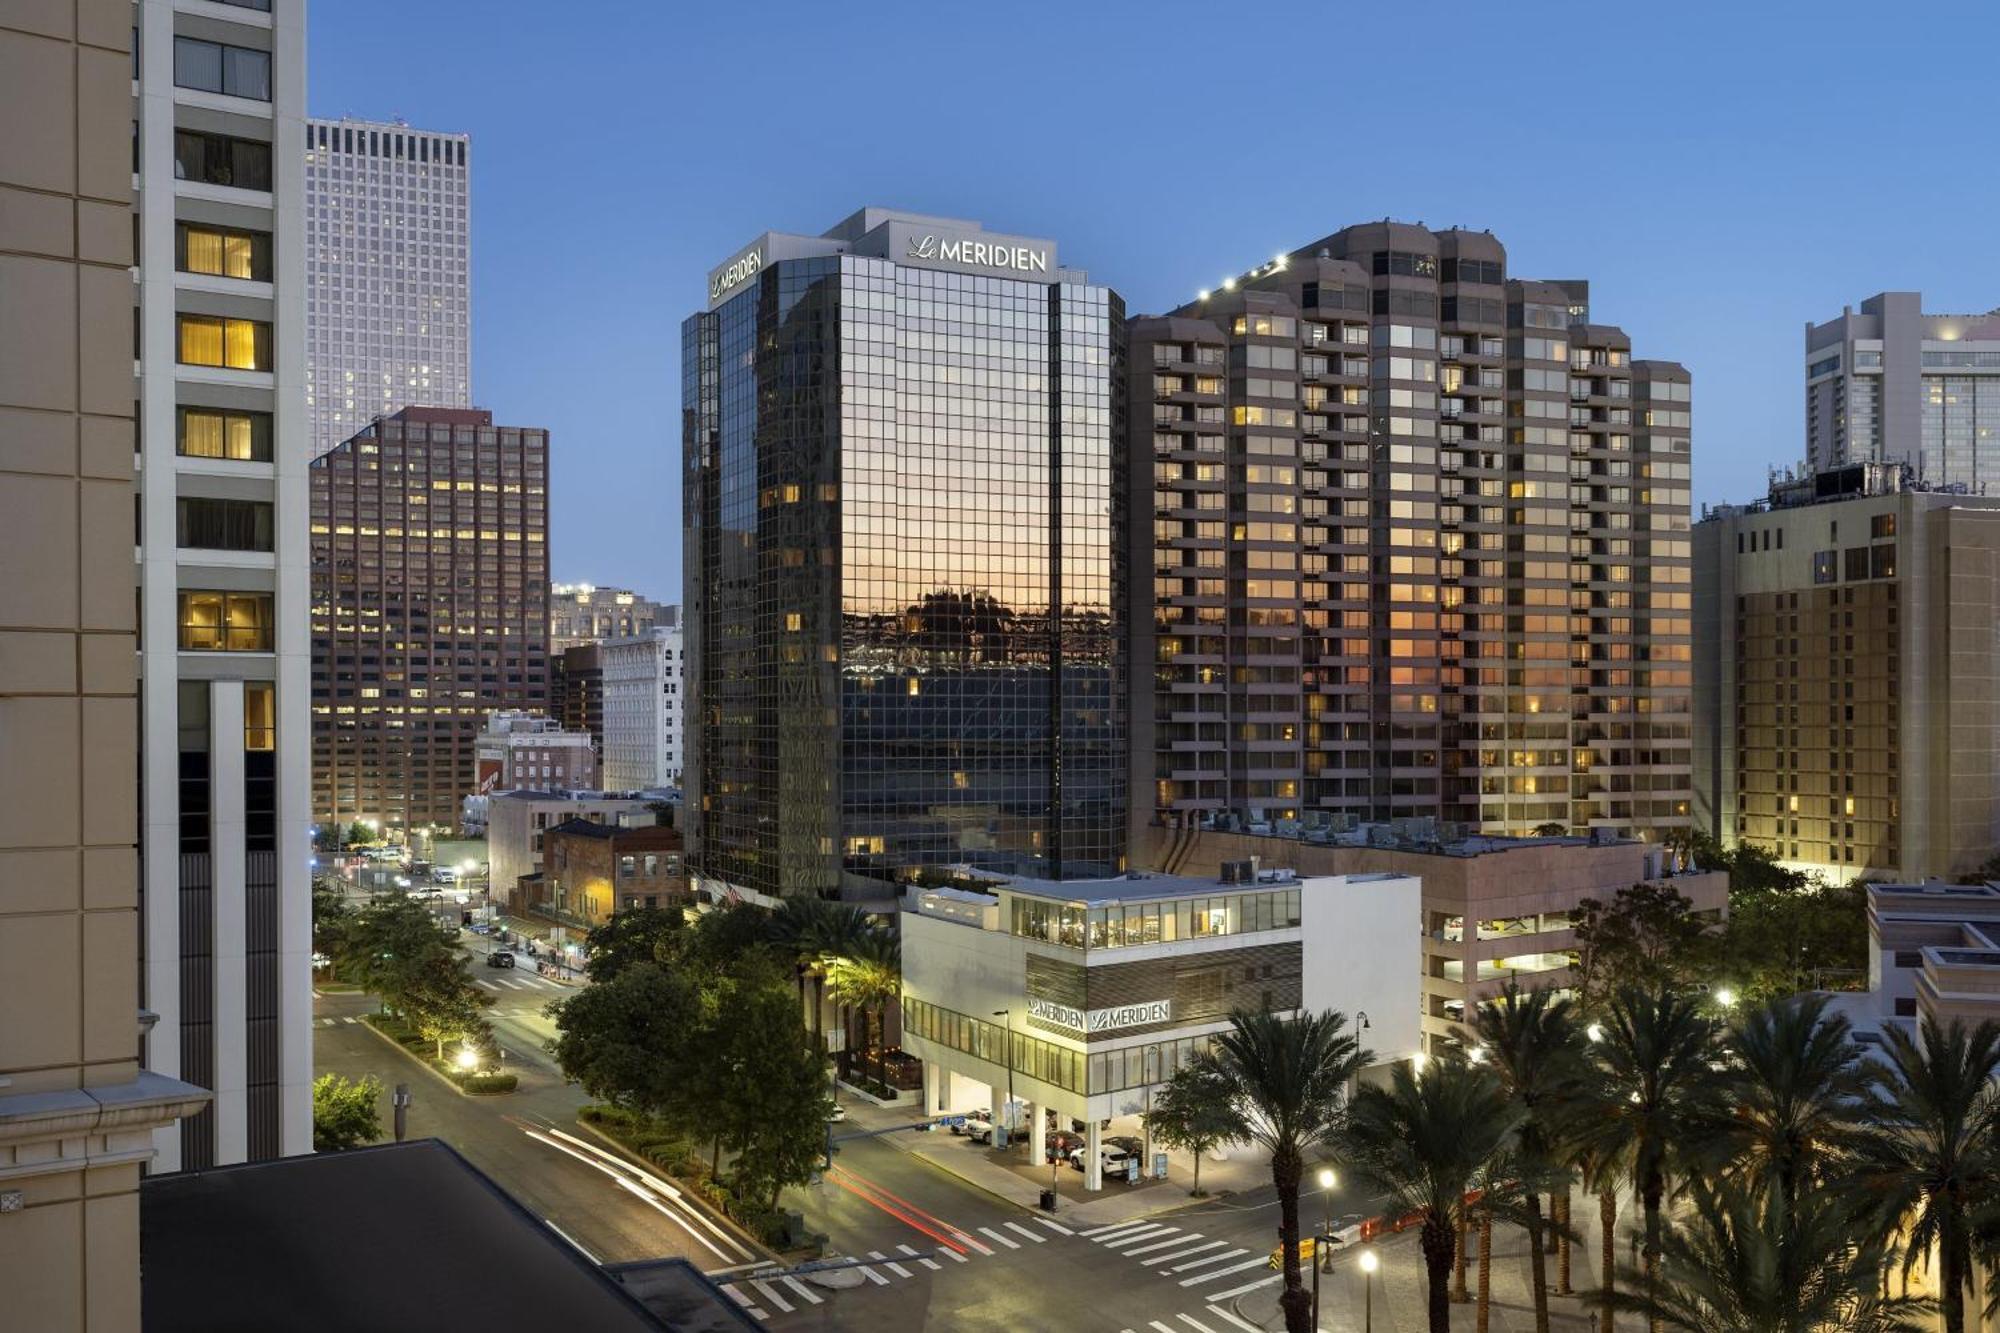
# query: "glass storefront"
{"points": [[1075, 926]]}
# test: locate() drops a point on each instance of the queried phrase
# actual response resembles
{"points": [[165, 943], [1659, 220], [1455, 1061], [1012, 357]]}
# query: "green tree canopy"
{"points": [[1646, 936], [1197, 1112], [635, 935], [344, 1114], [635, 1040]]}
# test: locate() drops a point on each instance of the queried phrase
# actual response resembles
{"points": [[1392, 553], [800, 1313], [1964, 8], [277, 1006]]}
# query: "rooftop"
{"points": [[406, 1235], [1146, 886]]}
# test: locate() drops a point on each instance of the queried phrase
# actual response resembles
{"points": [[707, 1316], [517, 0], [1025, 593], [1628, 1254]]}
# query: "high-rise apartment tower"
{"points": [[223, 443], [1418, 548], [388, 268], [430, 579], [901, 608]]}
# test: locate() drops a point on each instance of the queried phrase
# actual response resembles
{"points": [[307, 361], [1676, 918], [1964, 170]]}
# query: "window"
{"points": [[243, 437], [225, 622], [238, 344], [211, 67], [260, 725], [218, 159], [222, 253], [223, 525]]}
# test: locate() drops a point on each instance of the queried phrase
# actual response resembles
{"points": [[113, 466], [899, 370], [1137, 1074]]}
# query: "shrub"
{"points": [[487, 1085]]}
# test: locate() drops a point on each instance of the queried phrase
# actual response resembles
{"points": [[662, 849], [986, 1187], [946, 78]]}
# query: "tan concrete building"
{"points": [[1934, 951], [77, 1113], [1517, 893], [1849, 675]]}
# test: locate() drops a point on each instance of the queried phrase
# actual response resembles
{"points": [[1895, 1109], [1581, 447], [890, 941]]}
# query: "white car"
{"points": [[978, 1128]]}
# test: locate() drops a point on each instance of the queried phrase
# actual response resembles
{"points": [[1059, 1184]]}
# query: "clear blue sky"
{"points": [[1721, 173]]}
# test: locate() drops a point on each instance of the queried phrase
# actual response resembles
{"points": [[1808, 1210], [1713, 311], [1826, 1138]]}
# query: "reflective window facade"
{"points": [[902, 609]]}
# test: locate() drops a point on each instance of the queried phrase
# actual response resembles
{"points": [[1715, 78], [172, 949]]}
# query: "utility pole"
{"points": [[401, 1101]]}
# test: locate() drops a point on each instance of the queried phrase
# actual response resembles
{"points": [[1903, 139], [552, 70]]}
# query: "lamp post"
{"points": [[1329, 1180], [1369, 1263], [1323, 1243], [1006, 1128]]}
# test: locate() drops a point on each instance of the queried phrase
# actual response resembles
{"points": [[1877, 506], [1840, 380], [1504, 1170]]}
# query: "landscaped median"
{"points": [[646, 1138], [473, 1082]]}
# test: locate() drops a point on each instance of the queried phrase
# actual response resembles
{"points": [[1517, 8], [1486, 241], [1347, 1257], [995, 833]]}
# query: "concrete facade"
{"points": [[389, 249], [1933, 952], [582, 613], [1517, 892], [642, 725], [528, 751], [1418, 547], [79, 1116], [1850, 675], [1890, 384]]}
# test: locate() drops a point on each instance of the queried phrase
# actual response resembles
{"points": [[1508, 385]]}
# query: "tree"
{"points": [[1196, 1112], [1745, 1259], [867, 977], [635, 935], [764, 1086], [1552, 829], [1648, 1108], [1930, 1154], [1795, 1086], [1291, 1076], [1646, 936], [1788, 932], [636, 1040], [387, 944], [344, 1114], [1535, 1050], [332, 918], [443, 1003], [1420, 1143]]}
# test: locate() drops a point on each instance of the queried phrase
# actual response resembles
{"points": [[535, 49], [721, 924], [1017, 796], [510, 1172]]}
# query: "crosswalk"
{"points": [[1212, 1271], [765, 1295], [524, 981]]}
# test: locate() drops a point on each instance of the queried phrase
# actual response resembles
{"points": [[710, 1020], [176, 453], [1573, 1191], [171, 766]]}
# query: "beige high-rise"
{"points": [[77, 1114]]}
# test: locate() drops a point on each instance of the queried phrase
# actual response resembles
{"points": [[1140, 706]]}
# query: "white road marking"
{"points": [[1017, 1228], [1167, 1244], [1211, 1259], [1164, 1328], [973, 1241], [896, 1268], [1098, 1231], [1248, 1286], [1194, 1323], [1103, 1236], [874, 1276], [350, 1019], [1134, 1237], [1243, 1324], [1259, 1262], [905, 1249], [931, 1264], [784, 1306], [1008, 1241], [1054, 1225], [803, 1290], [1182, 1254], [950, 1253]]}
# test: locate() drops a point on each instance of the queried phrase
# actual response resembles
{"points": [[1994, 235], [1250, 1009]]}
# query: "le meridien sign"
{"points": [[1102, 1020], [735, 273], [977, 254]]}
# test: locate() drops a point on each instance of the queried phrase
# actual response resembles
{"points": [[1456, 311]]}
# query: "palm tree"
{"points": [[1746, 1258], [1531, 1042], [1292, 1075], [867, 977], [1931, 1153], [1645, 1112], [1420, 1143], [1796, 1085], [796, 928]]}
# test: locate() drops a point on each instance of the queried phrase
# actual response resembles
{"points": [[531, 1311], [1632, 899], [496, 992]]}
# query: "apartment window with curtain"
{"points": [[235, 344], [207, 523], [212, 67], [207, 432], [222, 252], [260, 717], [225, 622], [219, 159]]}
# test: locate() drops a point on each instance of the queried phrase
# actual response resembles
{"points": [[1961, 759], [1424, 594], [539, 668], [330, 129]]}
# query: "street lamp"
{"points": [[1323, 1243], [468, 1059], [1725, 996], [1006, 1128], [1369, 1263]]}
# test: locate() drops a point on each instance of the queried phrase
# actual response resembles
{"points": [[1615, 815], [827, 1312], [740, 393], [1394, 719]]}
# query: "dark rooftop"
{"points": [[402, 1236]]}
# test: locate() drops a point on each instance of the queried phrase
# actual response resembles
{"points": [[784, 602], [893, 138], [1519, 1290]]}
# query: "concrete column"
{"points": [[228, 830], [1093, 1162], [999, 1104], [935, 1083], [1038, 1133]]}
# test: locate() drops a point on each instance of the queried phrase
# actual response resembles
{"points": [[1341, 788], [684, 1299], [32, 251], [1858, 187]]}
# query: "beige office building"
{"points": [[1848, 665], [77, 1113]]}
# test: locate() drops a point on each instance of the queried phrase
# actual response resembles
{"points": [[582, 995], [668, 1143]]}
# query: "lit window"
{"points": [[238, 344], [225, 622], [211, 433]]}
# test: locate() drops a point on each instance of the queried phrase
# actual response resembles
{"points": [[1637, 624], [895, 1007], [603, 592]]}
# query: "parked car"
{"points": [[978, 1128], [1113, 1154], [500, 958], [836, 1113]]}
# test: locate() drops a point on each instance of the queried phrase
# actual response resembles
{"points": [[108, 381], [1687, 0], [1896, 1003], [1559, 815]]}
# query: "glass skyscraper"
{"points": [[902, 610]]}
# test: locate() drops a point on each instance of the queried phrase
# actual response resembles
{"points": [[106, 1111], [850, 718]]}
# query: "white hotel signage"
{"points": [[735, 273], [977, 254], [1102, 1020]]}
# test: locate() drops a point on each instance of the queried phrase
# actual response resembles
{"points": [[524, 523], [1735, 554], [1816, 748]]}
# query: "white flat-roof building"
{"points": [[642, 709], [1107, 987]]}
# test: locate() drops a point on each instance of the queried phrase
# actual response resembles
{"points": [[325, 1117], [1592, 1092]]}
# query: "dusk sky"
{"points": [[1721, 175]]}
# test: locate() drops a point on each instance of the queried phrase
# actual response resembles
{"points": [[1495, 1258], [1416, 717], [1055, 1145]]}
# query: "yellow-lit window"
{"points": [[238, 344], [225, 622], [793, 621], [239, 436], [260, 710]]}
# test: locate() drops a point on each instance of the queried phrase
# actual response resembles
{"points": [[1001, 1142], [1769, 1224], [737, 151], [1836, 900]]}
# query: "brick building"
{"points": [[592, 869]]}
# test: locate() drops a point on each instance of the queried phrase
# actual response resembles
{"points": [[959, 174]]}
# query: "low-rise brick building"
{"points": [[591, 869]]}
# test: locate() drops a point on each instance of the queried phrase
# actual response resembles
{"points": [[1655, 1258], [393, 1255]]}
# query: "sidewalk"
{"points": [[1019, 1182]]}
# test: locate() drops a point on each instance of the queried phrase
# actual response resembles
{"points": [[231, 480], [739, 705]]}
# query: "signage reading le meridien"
{"points": [[734, 274], [982, 253], [1102, 1020]]}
